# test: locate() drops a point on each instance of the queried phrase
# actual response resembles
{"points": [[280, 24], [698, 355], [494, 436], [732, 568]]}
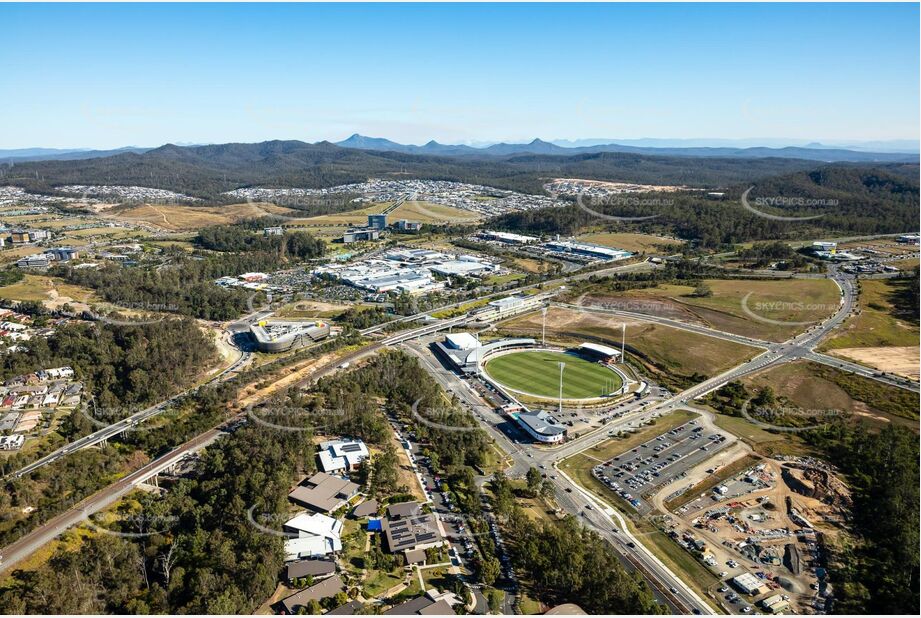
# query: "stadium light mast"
{"points": [[562, 365], [543, 328], [623, 340], [479, 354]]}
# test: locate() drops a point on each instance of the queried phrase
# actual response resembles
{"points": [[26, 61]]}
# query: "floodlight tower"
{"points": [[543, 328], [562, 365], [623, 340], [479, 354]]}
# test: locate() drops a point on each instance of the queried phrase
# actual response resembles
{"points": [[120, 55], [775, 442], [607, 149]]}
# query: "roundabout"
{"points": [[537, 373]]}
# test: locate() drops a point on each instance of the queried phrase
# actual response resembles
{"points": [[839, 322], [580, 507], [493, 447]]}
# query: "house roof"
{"points": [[323, 492], [403, 509], [415, 556], [347, 609], [303, 568], [410, 532], [315, 524], [366, 508], [326, 588]]}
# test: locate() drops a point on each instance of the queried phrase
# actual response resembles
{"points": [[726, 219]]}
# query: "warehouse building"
{"points": [[588, 250]]}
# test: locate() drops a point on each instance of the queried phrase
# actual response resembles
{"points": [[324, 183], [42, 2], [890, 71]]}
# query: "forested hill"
{"points": [[850, 199], [207, 171]]}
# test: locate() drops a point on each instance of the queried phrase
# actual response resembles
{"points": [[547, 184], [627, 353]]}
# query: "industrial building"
{"points": [[749, 584], [508, 238], [825, 246], [411, 271], [281, 335], [588, 250]]}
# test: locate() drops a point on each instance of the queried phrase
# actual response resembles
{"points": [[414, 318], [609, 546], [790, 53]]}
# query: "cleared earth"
{"points": [[538, 373]]}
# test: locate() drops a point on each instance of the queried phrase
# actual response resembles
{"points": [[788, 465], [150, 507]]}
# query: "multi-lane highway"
{"points": [[602, 517]]}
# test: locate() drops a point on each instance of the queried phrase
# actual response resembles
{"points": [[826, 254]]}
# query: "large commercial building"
{"points": [[377, 222], [359, 234], [507, 237], [588, 250], [282, 335], [509, 306]]}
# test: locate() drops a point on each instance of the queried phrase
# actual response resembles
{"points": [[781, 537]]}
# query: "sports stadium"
{"points": [[524, 367]]}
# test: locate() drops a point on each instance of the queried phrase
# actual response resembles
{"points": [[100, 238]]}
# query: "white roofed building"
{"points": [[344, 455], [597, 350], [461, 341], [317, 535]]}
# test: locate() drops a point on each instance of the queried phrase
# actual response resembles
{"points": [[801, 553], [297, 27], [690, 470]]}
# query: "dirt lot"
{"points": [[176, 218], [901, 361]]}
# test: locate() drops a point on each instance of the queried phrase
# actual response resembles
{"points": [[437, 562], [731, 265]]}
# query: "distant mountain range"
{"points": [[896, 151], [21, 155], [813, 152]]}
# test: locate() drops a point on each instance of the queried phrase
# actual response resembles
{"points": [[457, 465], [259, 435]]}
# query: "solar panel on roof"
{"points": [[351, 448]]}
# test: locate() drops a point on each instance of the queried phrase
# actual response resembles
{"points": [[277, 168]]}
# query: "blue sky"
{"points": [[110, 75]]}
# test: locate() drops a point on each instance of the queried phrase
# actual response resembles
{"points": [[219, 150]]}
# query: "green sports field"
{"points": [[538, 373]]}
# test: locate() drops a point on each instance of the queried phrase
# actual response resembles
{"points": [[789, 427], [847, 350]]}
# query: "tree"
{"points": [[702, 290], [534, 480], [489, 570]]}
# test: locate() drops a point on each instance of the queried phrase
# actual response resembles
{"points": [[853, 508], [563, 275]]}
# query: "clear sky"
{"points": [[112, 75]]}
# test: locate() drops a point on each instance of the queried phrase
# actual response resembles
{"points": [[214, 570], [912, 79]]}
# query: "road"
{"points": [[569, 495], [601, 517]]}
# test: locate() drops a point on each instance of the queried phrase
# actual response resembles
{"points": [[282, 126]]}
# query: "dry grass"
{"points": [[636, 243], [178, 218]]}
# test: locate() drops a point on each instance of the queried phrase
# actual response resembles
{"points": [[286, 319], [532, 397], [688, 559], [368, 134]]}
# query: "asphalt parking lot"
{"points": [[659, 461]]}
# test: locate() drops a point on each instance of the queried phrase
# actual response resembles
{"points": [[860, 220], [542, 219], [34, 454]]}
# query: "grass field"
{"points": [[877, 325], [786, 302], [812, 386], [637, 243], [40, 288], [538, 373], [674, 352]]}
